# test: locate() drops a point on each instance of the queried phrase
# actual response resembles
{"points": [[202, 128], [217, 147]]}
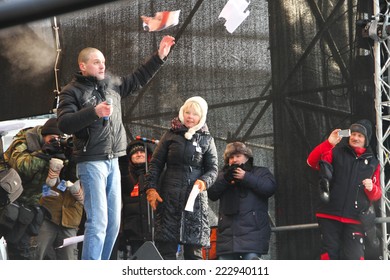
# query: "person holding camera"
{"points": [[38, 157], [349, 183], [243, 191]]}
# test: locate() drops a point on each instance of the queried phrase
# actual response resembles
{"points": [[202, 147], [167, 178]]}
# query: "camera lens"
{"points": [[66, 142]]}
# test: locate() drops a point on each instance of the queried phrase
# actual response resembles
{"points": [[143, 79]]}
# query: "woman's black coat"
{"points": [[181, 162]]}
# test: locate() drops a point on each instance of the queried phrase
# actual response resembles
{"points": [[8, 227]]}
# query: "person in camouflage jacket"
{"points": [[30, 154]]}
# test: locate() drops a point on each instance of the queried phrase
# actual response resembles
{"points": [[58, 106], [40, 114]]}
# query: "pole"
{"points": [[150, 210]]}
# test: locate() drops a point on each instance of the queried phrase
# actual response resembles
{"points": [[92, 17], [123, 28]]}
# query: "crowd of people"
{"points": [[125, 194]]}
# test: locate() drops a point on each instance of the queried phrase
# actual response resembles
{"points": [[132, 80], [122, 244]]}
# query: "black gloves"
{"points": [[326, 174], [52, 147], [228, 172], [228, 175], [326, 170], [324, 189]]}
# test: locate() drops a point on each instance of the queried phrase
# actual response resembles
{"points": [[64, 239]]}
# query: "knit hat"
{"points": [[364, 127], [203, 106], [50, 127], [236, 148], [136, 148], [138, 145]]}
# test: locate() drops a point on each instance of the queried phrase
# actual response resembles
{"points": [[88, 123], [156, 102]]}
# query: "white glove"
{"points": [[76, 190], [54, 171]]}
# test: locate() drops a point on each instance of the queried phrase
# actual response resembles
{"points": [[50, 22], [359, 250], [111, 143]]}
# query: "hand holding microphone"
{"points": [[107, 118], [104, 110]]}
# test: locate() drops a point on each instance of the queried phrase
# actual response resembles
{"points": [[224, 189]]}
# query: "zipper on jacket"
{"points": [[87, 142], [91, 100], [111, 135], [362, 157], [101, 94], [357, 194]]}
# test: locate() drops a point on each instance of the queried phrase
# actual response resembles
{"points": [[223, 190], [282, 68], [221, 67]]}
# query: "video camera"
{"points": [[62, 145], [66, 142]]}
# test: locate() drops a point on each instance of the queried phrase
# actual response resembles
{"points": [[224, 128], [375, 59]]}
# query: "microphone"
{"points": [[153, 141], [106, 119]]}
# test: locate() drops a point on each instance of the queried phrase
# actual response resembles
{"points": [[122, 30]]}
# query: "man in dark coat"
{"points": [[349, 173], [90, 109], [243, 191], [188, 156]]}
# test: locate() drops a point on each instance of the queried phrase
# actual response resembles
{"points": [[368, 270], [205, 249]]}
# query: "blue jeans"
{"points": [[102, 205]]}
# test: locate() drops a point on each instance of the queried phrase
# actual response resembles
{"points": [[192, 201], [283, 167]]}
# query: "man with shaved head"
{"points": [[90, 109]]}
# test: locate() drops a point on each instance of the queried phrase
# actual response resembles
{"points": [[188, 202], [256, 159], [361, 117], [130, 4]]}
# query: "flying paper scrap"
{"points": [[234, 14], [161, 20]]}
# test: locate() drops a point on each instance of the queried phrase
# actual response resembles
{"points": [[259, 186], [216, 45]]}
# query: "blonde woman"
{"points": [[188, 156]]}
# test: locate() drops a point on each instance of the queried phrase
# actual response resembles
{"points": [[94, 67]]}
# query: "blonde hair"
{"points": [[200, 106], [85, 54], [193, 105]]}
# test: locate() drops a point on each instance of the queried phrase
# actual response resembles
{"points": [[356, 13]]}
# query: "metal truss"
{"points": [[382, 106]]}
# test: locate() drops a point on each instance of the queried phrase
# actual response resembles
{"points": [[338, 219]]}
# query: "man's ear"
{"points": [[82, 66]]}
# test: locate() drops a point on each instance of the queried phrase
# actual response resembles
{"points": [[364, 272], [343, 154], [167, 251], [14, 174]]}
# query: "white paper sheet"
{"points": [[234, 14], [3, 249], [72, 240], [191, 199]]}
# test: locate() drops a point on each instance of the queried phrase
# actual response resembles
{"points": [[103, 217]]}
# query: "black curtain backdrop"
{"points": [[291, 72], [322, 80]]}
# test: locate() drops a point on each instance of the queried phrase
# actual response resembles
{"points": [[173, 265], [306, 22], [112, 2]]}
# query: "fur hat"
{"points": [[203, 106], [50, 127], [364, 127], [236, 148]]}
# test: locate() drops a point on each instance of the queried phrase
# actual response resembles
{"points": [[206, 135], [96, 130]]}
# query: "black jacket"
{"points": [[76, 113], [243, 224], [135, 215], [347, 196], [184, 163]]}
